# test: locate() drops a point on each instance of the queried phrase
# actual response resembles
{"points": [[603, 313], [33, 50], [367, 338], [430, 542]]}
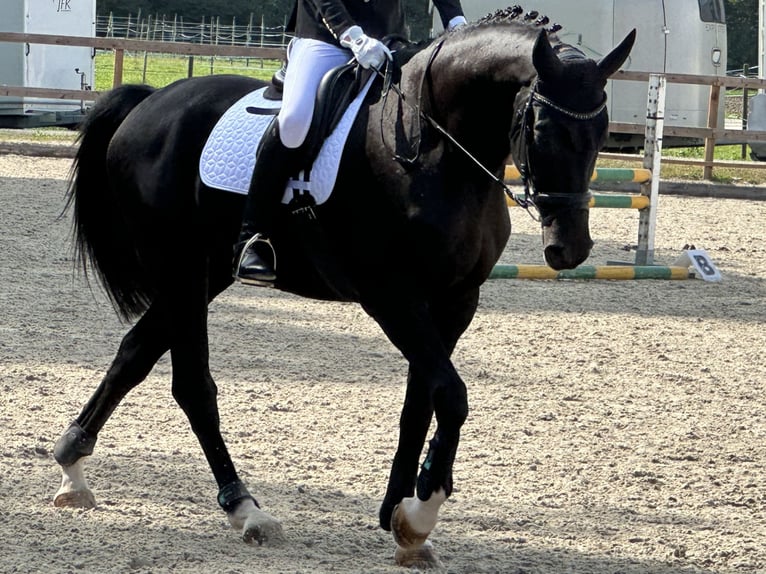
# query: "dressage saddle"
{"points": [[336, 91]]}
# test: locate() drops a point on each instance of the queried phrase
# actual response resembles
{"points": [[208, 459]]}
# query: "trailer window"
{"points": [[712, 11]]}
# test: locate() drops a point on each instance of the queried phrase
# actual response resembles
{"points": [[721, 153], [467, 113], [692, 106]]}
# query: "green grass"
{"points": [[754, 176], [159, 70]]}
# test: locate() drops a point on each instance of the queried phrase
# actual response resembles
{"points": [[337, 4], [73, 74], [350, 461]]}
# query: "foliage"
{"points": [[742, 32], [741, 16], [274, 12]]}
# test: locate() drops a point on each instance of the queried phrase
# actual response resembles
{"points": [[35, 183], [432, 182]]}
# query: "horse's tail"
{"points": [[101, 238]]}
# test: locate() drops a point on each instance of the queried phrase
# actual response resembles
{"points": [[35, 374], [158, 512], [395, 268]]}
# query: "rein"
{"points": [[531, 197], [388, 85]]}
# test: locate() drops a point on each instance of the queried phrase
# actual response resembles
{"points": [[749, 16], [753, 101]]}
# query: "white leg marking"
{"points": [[74, 491], [422, 515], [255, 524], [411, 523]]}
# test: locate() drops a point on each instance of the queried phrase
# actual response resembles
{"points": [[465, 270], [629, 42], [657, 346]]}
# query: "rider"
{"points": [[327, 34]]}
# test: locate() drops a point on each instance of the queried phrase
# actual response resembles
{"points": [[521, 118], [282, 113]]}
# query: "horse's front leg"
{"points": [[426, 335], [413, 519]]}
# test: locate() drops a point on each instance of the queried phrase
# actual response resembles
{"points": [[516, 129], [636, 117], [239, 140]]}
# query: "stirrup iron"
{"points": [[257, 238]]}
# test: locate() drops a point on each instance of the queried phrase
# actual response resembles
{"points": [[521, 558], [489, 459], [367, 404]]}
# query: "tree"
{"points": [[742, 33], [274, 12]]}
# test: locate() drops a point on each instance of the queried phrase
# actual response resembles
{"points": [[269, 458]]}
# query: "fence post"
{"points": [[655, 124], [146, 62], [712, 122], [119, 57]]}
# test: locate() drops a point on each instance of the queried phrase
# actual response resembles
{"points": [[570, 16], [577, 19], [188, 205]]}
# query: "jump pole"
{"points": [[636, 175], [613, 272], [609, 200]]}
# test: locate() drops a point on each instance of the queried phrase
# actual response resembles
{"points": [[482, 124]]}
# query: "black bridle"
{"points": [[548, 202], [521, 152]]}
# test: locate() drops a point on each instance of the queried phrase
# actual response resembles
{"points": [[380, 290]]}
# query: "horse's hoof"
{"points": [[421, 557], [260, 528], [403, 533], [74, 499]]}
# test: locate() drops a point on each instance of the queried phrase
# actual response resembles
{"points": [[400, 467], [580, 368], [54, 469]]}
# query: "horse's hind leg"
{"points": [[139, 351], [196, 393]]}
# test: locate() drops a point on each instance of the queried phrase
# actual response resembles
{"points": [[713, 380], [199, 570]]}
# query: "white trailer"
{"points": [[673, 36], [45, 66]]}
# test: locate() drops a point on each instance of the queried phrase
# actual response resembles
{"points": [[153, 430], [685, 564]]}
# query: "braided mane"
{"points": [[533, 19], [512, 13]]}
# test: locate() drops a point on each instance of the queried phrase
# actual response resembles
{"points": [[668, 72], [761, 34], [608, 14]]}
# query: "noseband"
{"points": [[521, 156]]}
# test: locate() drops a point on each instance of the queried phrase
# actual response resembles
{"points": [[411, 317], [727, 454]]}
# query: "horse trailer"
{"points": [[673, 37], [45, 66]]}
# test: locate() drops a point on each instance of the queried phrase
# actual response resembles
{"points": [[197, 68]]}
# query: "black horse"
{"points": [[411, 240]]}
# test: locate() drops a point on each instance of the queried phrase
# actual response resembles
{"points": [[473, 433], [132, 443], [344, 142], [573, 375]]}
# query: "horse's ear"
{"points": [[544, 59], [610, 63]]}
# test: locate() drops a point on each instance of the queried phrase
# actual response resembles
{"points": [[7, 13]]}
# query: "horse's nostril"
{"points": [[560, 257], [553, 255]]}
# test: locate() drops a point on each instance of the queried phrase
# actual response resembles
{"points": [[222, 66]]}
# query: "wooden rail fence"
{"points": [[709, 134]]}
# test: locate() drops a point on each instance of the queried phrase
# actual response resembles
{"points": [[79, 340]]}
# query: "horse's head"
{"points": [[559, 126]]}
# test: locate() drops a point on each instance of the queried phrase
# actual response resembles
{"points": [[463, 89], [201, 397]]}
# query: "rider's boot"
{"points": [[254, 256]]}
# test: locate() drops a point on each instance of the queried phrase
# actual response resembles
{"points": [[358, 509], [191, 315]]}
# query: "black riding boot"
{"points": [[254, 256]]}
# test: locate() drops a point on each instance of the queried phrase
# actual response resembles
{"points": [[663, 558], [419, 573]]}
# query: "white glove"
{"points": [[456, 22], [369, 52]]}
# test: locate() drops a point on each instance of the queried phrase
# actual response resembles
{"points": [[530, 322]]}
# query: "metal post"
{"points": [[761, 38], [745, 70], [655, 123]]}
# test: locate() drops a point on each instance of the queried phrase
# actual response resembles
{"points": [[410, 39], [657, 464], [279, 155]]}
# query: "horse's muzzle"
{"points": [[566, 240], [558, 256]]}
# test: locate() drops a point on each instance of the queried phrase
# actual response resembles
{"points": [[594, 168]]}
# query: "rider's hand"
{"points": [[456, 22], [369, 52]]}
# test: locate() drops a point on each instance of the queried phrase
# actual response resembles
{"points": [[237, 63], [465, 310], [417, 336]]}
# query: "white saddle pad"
{"points": [[228, 159]]}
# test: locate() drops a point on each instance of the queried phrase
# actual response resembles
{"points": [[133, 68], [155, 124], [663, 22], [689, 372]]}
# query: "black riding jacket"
{"points": [[326, 20]]}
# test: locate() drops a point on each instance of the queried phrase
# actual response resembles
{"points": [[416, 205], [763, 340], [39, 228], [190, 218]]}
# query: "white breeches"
{"points": [[309, 61]]}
